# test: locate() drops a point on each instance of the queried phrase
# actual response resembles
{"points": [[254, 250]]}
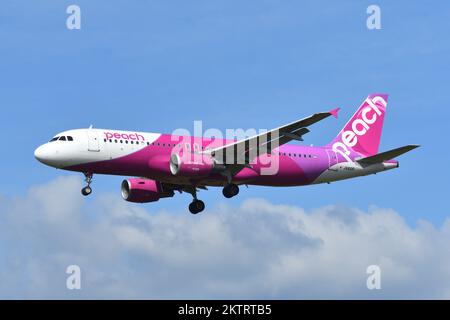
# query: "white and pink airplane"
{"points": [[168, 163]]}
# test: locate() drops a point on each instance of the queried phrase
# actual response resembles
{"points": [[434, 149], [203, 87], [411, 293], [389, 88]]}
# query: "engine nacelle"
{"points": [[192, 164], [143, 190]]}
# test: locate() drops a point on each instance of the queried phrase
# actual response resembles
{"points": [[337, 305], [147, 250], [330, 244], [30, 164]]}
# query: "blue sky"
{"points": [[159, 65]]}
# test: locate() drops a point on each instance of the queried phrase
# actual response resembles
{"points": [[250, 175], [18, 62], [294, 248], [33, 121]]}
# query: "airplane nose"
{"points": [[39, 154], [43, 155], [48, 155]]}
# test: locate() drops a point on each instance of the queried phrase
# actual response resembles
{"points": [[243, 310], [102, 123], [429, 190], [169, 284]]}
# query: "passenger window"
{"points": [[121, 141], [62, 139], [126, 141], [115, 140]]}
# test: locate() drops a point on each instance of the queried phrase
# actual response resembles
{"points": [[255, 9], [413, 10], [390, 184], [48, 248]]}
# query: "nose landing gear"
{"points": [[88, 179]]}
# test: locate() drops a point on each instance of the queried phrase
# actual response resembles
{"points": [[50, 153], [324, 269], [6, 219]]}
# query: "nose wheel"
{"points": [[88, 179], [230, 190], [86, 191]]}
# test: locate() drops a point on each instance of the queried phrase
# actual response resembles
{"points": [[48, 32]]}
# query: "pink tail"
{"points": [[363, 132]]}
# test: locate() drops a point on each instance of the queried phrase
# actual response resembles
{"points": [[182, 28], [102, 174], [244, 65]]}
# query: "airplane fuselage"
{"points": [[141, 154]]}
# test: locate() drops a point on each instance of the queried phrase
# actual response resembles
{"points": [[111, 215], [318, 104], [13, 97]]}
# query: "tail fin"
{"points": [[362, 132]]}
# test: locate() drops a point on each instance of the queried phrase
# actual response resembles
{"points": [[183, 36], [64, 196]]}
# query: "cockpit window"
{"points": [[62, 138]]}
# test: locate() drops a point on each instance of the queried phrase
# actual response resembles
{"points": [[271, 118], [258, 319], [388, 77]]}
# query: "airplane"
{"points": [[161, 164]]}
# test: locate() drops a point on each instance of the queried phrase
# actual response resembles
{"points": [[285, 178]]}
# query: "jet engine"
{"points": [[143, 190], [192, 164]]}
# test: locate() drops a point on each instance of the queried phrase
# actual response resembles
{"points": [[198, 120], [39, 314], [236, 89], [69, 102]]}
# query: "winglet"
{"points": [[334, 112]]}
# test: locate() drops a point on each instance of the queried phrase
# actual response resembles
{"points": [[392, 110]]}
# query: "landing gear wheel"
{"points": [[196, 206], [230, 190], [86, 191], [88, 179]]}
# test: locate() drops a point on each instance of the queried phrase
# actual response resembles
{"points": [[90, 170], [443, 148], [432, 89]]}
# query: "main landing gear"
{"points": [[196, 206], [230, 190], [88, 179]]}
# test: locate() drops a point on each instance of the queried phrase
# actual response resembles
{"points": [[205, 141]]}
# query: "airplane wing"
{"points": [[387, 155], [244, 151]]}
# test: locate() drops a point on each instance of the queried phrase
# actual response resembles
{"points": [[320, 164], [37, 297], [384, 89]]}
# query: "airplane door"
{"points": [[332, 158], [93, 141]]}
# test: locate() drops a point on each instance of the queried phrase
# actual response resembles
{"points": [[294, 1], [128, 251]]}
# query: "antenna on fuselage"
{"points": [[90, 127]]}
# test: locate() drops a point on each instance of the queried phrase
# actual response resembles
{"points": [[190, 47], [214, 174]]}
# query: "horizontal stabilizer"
{"points": [[387, 155]]}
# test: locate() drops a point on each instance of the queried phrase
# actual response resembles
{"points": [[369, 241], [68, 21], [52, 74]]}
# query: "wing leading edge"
{"points": [[246, 150]]}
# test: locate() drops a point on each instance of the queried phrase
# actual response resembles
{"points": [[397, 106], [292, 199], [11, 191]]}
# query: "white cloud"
{"points": [[256, 250]]}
